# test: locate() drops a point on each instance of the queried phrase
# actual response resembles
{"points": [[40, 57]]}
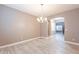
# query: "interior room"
{"points": [[39, 29]]}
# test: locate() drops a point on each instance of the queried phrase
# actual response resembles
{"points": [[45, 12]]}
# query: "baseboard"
{"points": [[69, 42], [51, 36], [44, 37], [20, 42], [16, 43]]}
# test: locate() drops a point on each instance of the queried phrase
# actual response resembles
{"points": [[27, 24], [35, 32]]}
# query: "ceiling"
{"points": [[48, 9]]}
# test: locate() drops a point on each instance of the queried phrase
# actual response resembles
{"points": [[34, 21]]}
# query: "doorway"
{"points": [[57, 28]]}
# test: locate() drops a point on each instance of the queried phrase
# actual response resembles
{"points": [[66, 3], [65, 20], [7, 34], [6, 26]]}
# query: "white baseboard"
{"points": [[51, 36], [20, 42], [69, 42], [44, 37], [28, 40]]}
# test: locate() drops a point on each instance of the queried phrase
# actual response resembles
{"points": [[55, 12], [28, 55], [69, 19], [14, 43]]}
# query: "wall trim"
{"points": [[28, 40], [69, 42], [16, 43]]}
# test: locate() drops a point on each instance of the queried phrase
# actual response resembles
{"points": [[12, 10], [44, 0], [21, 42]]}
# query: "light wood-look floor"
{"points": [[51, 45]]}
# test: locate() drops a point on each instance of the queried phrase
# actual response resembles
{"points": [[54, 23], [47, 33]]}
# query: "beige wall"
{"points": [[16, 26], [44, 29], [71, 24]]}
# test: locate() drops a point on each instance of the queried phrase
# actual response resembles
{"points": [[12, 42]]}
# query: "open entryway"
{"points": [[57, 28]]}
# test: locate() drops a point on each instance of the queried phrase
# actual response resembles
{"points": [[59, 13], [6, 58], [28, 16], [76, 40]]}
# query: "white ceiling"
{"points": [[50, 9]]}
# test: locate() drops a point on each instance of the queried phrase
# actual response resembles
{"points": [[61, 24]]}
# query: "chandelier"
{"points": [[42, 18]]}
